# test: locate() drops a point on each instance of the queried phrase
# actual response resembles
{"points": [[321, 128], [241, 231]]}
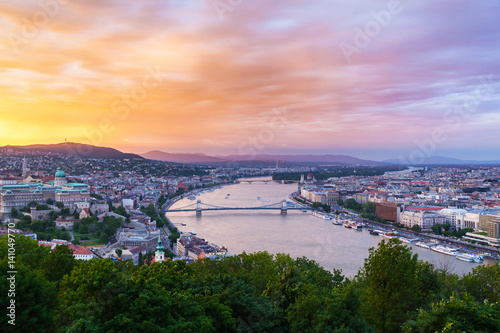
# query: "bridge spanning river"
{"points": [[198, 207]]}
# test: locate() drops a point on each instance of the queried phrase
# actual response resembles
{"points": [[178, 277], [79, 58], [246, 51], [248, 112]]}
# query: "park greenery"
{"points": [[90, 228], [259, 292]]}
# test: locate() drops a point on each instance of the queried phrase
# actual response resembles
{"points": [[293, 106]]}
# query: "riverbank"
{"points": [[463, 245]]}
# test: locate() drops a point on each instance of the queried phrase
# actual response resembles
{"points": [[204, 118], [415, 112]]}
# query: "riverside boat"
{"points": [[356, 226], [445, 250], [404, 240], [469, 257], [336, 222], [422, 244]]}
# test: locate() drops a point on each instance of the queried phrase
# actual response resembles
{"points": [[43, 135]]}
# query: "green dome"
{"points": [[60, 173]]}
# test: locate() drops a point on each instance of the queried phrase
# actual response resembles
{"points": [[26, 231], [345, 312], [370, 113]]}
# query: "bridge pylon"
{"points": [[283, 207], [198, 208]]}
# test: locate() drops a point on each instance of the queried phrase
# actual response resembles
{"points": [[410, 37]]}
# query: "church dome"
{"points": [[60, 173]]}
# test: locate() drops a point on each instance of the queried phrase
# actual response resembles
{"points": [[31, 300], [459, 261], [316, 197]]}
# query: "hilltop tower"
{"points": [[25, 167]]}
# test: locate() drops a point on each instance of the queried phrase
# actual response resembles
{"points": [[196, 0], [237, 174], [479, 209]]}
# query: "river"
{"points": [[297, 233]]}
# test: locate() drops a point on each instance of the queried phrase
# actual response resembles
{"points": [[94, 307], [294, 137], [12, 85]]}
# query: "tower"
{"points": [[25, 167], [159, 254], [60, 179]]}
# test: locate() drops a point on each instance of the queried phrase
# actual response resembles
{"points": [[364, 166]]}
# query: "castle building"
{"points": [[21, 195]]}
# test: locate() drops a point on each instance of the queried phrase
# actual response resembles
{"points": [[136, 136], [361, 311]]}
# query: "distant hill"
{"points": [[72, 149], [202, 158], [180, 158], [327, 158], [439, 160]]}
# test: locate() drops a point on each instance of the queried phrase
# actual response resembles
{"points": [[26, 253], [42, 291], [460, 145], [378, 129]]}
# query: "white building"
{"points": [[454, 217], [424, 220]]}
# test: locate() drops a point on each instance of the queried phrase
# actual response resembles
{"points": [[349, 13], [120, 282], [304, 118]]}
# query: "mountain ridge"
{"points": [[74, 149]]}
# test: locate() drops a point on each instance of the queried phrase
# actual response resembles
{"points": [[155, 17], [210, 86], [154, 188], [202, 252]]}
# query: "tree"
{"points": [[394, 285], [35, 299], [50, 201], [58, 263], [483, 283], [416, 228], [60, 205], [458, 314], [118, 252], [14, 213], [437, 228]]}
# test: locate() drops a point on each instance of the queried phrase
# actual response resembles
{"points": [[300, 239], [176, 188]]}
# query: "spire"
{"points": [[160, 245], [159, 254]]}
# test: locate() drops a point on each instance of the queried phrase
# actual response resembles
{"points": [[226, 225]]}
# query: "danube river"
{"points": [[299, 234]]}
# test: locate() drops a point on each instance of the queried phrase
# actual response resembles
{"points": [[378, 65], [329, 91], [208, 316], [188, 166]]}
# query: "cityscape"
{"points": [[236, 166]]}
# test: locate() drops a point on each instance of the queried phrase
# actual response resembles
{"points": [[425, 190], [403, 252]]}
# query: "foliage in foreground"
{"points": [[260, 292]]}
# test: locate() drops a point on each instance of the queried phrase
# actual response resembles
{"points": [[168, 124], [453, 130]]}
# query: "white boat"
{"points": [[469, 257], [336, 222], [193, 233], [445, 250], [404, 240], [422, 244], [183, 224], [326, 217], [389, 235]]}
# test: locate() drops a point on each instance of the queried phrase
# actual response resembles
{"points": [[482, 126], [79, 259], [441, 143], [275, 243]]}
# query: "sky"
{"points": [[371, 79]]}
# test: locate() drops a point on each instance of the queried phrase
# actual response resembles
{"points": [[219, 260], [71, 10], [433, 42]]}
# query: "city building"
{"points": [[79, 252], [388, 211], [21, 195], [424, 220]]}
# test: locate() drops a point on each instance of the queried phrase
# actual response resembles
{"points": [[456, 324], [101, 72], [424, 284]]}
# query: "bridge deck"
{"points": [[237, 208]]}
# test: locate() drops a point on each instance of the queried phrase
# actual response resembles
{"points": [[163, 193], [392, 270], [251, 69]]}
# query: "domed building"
{"points": [[60, 179]]}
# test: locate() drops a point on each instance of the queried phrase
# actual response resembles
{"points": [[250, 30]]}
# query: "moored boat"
{"points": [[445, 250], [404, 240], [422, 244], [469, 257]]}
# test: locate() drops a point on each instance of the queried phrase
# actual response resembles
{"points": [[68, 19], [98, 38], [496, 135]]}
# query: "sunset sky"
{"points": [[371, 79]]}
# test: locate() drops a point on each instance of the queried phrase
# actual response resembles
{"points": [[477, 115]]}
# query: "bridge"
{"points": [[198, 207], [250, 181]]}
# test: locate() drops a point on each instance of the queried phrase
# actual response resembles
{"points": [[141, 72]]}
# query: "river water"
{"points": [[297, 233]]}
